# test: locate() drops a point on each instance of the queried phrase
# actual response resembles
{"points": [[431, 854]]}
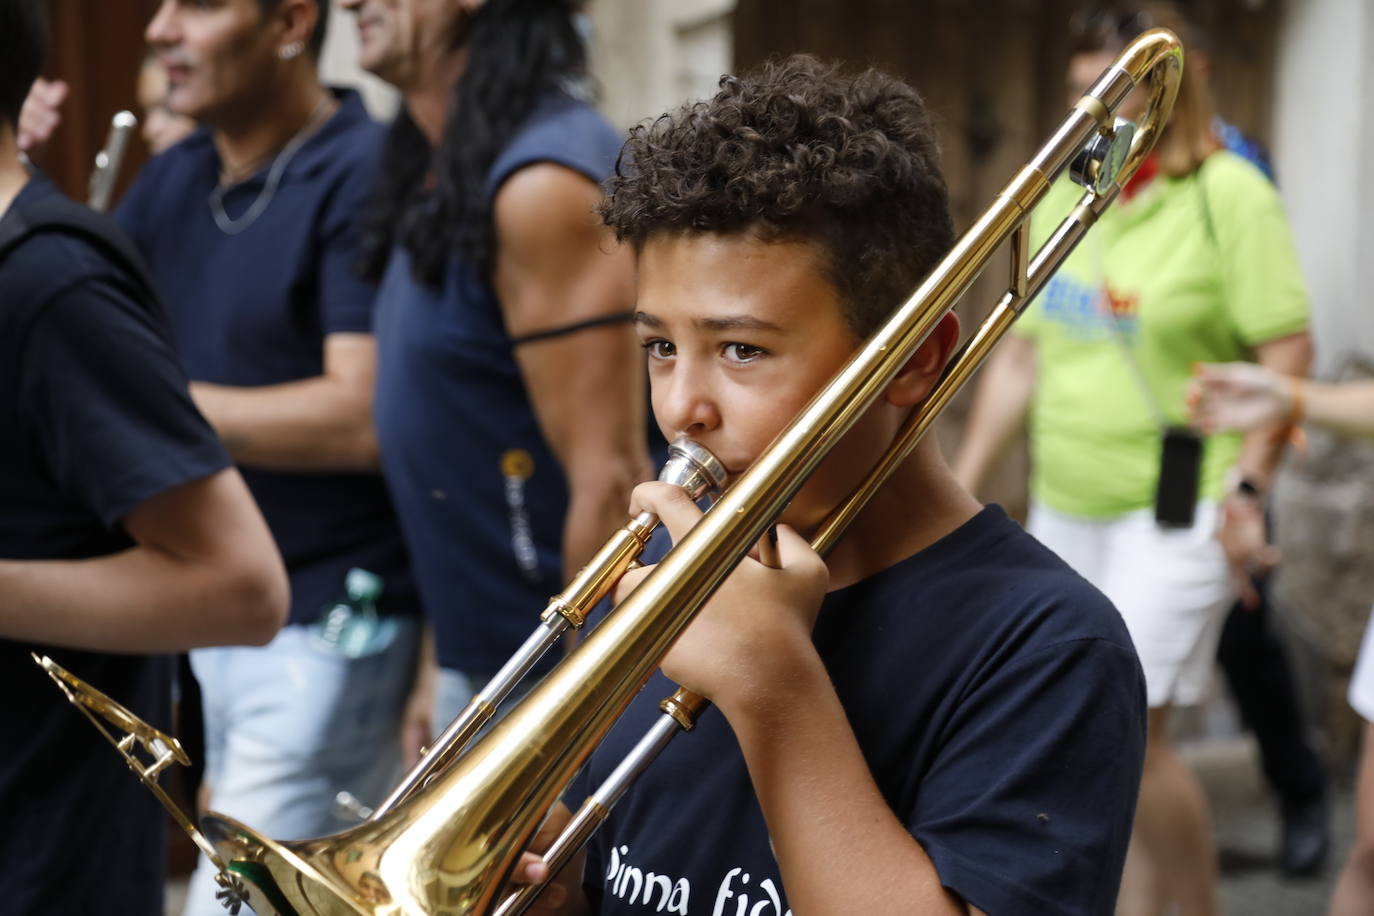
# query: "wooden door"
{"points": [[96, 47]]}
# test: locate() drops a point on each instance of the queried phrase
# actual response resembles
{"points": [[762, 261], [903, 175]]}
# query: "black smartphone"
{"points": [[1180, 461]]}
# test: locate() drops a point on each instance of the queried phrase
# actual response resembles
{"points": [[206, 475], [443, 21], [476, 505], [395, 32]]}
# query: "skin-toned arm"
{"points": [[204, 572], [314, 424], [1243, 536], [1264, 445], [1000, 404], [1227, 397], [557, 265], [839, 846]]}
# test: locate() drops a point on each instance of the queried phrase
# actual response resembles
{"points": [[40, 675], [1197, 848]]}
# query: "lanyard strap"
{"points": [[1118, 335]]}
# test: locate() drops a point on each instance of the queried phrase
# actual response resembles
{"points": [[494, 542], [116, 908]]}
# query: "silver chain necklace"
{"points": [[231, 226]]}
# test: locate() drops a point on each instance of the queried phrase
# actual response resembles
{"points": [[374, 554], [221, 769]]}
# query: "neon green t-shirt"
{"points": [[1187, 281]]}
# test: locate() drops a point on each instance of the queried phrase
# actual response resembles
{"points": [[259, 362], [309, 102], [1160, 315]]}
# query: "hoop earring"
{"points": [[289, 51]]}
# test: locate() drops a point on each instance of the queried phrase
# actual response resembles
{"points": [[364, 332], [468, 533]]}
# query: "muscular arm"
{"points": [[557, 265], [204, 572], [1000, 405], [313, 424]]}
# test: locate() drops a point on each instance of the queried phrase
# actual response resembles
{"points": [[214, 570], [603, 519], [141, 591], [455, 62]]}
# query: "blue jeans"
{"points": [[289, 725]]}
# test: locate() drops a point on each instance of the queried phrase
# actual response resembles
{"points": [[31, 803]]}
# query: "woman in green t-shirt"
{"points": [[1194, 263]]}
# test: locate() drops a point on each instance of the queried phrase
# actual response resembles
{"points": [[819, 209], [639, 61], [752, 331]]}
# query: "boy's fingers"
{"points": [[531, 870], [628, 582], [671, 504], [792, 546], [554, 895]]}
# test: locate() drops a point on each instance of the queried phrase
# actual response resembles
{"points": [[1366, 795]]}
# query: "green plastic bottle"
{"points": [[350, 625]]}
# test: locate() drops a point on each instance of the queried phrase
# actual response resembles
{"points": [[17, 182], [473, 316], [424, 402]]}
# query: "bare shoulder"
{"points": [[545, 198]]}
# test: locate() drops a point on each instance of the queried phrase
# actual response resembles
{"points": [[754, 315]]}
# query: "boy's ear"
{"points": [[923, 370]]}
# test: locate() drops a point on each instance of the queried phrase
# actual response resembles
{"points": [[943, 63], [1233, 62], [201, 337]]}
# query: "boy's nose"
{"points": [[688, 406]]}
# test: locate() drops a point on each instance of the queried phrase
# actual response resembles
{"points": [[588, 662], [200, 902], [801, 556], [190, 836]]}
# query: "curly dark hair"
{"points": [[799, 151], [520, 51]]}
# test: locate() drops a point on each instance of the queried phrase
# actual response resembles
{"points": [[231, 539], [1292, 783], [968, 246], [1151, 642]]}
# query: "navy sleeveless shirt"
{"points": [[479, 493]]}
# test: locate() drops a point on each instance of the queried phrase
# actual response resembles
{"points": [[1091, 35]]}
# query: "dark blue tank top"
{"points": [[480, 496]]}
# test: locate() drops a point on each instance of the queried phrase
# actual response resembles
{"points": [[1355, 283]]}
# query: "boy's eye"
{"points": [[658, 348], [741, 352]]}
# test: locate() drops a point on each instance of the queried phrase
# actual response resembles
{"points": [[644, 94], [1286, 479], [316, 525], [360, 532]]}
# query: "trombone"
{"points": [[447, 840]]}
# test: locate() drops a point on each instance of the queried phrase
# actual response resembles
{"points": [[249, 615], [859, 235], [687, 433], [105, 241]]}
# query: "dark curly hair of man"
{"points": [[798, 151]]}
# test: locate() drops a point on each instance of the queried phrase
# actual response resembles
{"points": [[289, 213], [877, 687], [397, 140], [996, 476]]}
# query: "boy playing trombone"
{"points": [[940, 716]]}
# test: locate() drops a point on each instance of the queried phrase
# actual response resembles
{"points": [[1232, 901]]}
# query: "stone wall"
{"points": [[650, 55]]}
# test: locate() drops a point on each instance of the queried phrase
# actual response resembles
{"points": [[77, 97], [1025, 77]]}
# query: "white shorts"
{"points": [[1170, 585], [1362, 681]]}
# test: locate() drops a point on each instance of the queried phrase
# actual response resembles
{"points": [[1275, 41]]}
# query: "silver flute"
{"points": [[109, 159]]}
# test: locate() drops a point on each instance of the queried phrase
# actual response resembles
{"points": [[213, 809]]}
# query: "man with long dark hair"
{"points": [[509, 400], [125, 532]]}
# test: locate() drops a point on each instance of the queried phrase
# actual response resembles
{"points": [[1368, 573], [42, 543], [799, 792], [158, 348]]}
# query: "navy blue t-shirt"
{"points": [[1000, 706], [253, 309], [480, 495], [98, 420]]}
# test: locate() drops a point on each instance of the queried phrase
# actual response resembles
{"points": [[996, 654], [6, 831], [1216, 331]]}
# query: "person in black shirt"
{"points": [[124, 533], [940, 716], [248, 229]]}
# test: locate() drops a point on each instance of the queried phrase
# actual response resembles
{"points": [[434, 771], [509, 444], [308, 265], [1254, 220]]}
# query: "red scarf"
{"points": [[1142, 177]]}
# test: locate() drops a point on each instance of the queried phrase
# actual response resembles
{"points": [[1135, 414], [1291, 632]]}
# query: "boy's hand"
{"points": [[755, 632], [564, 894]]}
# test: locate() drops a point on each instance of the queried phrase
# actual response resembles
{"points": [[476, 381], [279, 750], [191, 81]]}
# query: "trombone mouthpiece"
{"points": [[692, 467]]}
